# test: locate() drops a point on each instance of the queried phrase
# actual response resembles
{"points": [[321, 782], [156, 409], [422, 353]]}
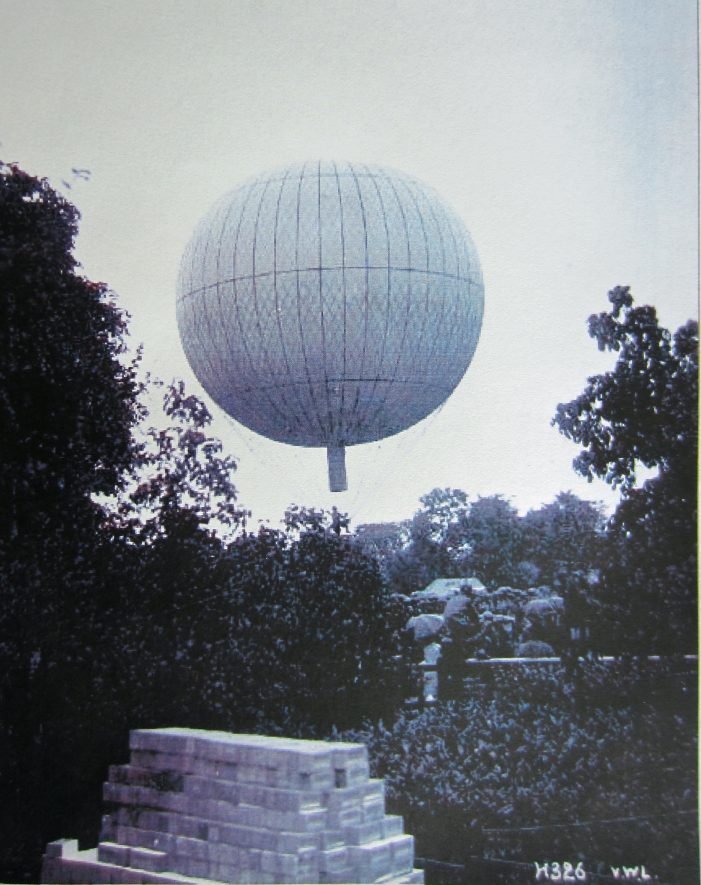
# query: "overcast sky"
{"points": [[563, 132]]}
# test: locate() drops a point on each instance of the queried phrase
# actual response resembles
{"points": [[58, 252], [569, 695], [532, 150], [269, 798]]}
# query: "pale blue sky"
{"points": [[564, 132]]}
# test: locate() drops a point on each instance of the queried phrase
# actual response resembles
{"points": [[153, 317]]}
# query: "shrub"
{"points": [[538, 750]]}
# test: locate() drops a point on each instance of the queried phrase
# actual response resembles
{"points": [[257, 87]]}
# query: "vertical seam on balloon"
{"points": [[299, 308], [439, 326], [254, 285], [476, 287], [378, 367], [454, 221], [277, 297], [217, 373], [367, 290], [236, 300], [207, 323], [409, 187], [192, 331], [224, 326], [459, 299], [409, 300], [472, 287], [343, 289], [321, 309]]}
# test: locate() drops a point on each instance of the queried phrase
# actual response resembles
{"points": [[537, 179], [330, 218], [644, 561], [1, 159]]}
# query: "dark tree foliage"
{"points": [[277, 631], [565, 534], [644, 412], [68, 404], [67, 401], [451, 536], [177, 471], [534, 765], [223, 627], [432, 544], [383, 541], [495, 540]]}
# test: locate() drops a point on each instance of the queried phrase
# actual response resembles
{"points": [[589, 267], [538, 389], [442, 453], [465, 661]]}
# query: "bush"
{"points": [[536, 750], [534, 648]]}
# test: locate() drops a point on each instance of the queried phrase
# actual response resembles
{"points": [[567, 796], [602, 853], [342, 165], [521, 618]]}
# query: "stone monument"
{"points": [[211, 806]]}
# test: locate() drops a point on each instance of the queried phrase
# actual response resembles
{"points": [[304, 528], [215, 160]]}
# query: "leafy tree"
{"points": [[301, 519], [67, 404], [177, 472], [67, 397], [494, 535], [431, 544], [436, 535], [449, 536], [644, 412], [383, 542], [225, 628], [319, 635], [565, 534]]}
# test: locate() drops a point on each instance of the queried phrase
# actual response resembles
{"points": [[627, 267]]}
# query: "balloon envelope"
{"points": [[330, 304]]}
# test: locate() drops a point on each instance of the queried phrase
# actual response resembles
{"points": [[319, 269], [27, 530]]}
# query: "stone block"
{"points": [[62, 848], [143, 797], [350, 774], [402, 853], [371, 861], [318, 779], [113, 853], [344, 817], [191, 866], [157, 761], [108, 828], [392, 825], [330, 839], [286, 866], [163, 740], [308, 870], [220, 852], [158, 821], [341, 876], [279, 799], [373, 809], [333, 860], [370, 831], [345, 753], [255, 838], [162, 779], [338, 799], [211, 788], [374, 789], [146, 859], [296, 842], [215, 810], [192, 848], [137, 837]]}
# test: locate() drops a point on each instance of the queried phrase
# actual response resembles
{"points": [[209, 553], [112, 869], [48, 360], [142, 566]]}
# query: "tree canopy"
{"points": [[67, 395], [453, 536], [644, 413]]}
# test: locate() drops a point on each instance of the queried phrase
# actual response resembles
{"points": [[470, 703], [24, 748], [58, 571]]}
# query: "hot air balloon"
{"points": [[330, 304]]}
